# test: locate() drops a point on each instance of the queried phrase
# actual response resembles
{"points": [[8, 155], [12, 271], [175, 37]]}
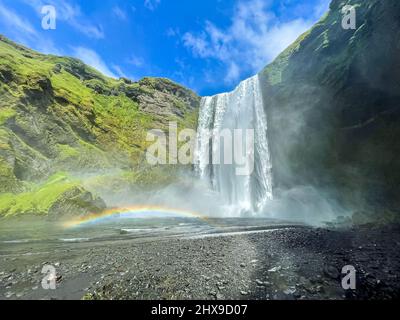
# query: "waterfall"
{"points": [[227, 112]]}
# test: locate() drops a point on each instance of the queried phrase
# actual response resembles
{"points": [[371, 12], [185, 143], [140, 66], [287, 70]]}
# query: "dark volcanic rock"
{"points": [[332, 100], [179, 268]]}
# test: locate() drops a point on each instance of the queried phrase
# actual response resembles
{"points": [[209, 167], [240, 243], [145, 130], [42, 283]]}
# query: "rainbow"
{"points": [[129, 212]]}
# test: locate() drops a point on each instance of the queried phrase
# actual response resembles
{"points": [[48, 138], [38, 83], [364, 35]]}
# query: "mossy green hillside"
{"points": [[59, 115], [44, 197]]}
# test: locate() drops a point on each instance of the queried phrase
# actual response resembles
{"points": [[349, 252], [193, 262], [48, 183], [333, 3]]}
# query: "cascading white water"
{"points": [[240, 109]]}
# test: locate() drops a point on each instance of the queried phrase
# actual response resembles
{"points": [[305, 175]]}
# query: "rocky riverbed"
{"points": [[285, 262]]}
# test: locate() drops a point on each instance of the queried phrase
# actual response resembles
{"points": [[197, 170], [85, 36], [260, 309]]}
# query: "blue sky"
{"points": [[207, 45]]}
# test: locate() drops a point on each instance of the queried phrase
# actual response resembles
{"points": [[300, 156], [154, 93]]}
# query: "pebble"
{"points": [[331, 272], [289, 291], [310, 285], [275, 269], [259, 282]]}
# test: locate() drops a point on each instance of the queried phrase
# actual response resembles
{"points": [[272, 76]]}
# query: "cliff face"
{"points": [[333, 102], [60, 118]]}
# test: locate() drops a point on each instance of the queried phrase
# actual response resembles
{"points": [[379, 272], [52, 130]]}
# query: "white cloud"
{"points": [[47, 46], [172, 32], [89, 30], [119, 71], [321, 7], [70, 14], [136, 61], [253, 39], [119, 13], [93, 59], [24, 32], [152, 4], [233, 73], [14, 21], [199, 45]]}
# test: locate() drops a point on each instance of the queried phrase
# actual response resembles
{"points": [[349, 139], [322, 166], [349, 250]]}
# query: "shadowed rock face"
{"points": [[333, 103]]}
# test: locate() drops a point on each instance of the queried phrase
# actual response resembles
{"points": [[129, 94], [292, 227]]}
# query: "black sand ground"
{"points": [[278, 263]]}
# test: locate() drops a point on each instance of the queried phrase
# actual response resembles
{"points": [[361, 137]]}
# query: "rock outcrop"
{"points": [[60, 116], [333, 102]]}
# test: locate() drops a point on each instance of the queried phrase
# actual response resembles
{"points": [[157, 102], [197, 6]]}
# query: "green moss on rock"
{"points": [[58, 114], [59, 195]]}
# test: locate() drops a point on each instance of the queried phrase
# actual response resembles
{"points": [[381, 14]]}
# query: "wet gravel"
{"points": [[286, 263]]}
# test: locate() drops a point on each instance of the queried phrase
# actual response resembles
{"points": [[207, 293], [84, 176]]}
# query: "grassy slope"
{"points": [[39, 199], [59, 115]]}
